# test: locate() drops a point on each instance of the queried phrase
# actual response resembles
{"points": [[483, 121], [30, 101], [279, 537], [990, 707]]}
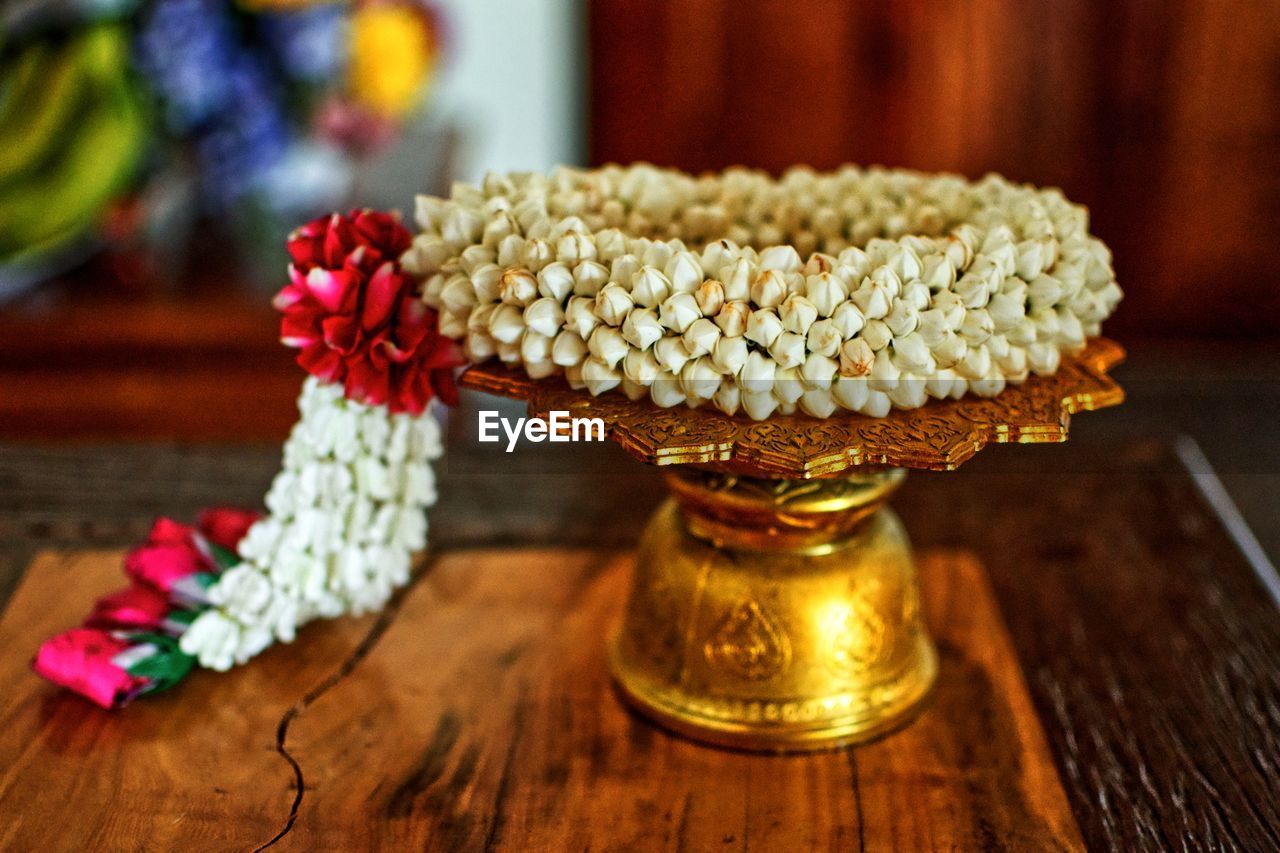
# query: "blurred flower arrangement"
{"points": [[260, 109]]}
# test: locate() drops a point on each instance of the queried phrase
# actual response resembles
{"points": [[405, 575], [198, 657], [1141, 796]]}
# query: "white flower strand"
{"points": [[855, 289], [345, 515]]}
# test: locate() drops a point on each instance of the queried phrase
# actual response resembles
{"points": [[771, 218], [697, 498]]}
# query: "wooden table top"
{"points": [[1147, 641]]}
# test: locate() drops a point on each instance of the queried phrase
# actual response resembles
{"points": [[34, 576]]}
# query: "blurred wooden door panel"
{"points": [[1163, 117]]}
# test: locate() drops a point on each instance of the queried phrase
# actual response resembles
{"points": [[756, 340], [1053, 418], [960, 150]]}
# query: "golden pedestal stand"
{"points": [[774, 605]]}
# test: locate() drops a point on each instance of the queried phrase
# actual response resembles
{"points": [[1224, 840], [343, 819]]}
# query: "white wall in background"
{"points": [[513, 83]]}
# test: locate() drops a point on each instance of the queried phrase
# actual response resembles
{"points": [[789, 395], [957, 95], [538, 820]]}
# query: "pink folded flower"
{"points": [[85, 660], [181, 561], [140, 608], [111, 668], [225, 526]]}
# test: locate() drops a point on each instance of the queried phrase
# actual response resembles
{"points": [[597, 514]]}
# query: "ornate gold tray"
{"points": [[939, 436], [774, 605]]}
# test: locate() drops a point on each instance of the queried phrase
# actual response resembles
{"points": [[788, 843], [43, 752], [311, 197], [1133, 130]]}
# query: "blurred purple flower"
{"points": [[310, 43]]}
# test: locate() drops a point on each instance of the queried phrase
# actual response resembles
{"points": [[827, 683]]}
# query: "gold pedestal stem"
{"points": [[775, 615]]}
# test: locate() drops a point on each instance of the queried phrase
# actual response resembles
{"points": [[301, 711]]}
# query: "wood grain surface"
{"points": [[476, 714], [1147, 642]]}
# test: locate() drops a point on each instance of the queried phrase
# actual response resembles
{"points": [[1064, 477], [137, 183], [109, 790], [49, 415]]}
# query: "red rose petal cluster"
{"points": [[359, 319]]}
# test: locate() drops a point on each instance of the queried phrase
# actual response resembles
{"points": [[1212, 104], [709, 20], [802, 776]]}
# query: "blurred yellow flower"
{"points": [[392, 53]]}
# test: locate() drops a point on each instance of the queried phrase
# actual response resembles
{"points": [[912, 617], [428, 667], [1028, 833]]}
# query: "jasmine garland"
{"points": [[861, 290]]}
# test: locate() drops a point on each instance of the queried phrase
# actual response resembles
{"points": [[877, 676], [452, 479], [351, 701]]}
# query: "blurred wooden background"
{"points": [[1162, 115]]}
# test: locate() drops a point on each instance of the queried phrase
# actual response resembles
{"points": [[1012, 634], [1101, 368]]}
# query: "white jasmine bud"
{"points": [[510, 250], [610, 243], [818, 370], [904, 263], [479, 346], [665, 391], [717, 254], [730, 354], [684, 272], [710, 296], [641, 328], [580, 315], [612, 304], [797, 314], [537, 254], [544, 316], [478, 320], [884, 373], [508, 353], [555, 281], [872, 299], [758, 405], [486, 281], [1043, 358], [641, 367], [848, 320], [877, 335], [678, 311], [818, 402], [769, 289], [506, 324], [458, 295], [607, 345], [624, 268], [732, 318], [850, 392], [701, 336], [728, 398], [763, 327], [903, 319], [952, 307], [657, 254], [599, 377], [826, 292], [976, 363], [650, 287], [517, 287], [949, 351], [932, 326], [1044, 291], [535, 351], [781, 258], [788, 387], [1005, 312], [1014, 365], [757, 374], [461, 227], [589, 277], [911, 354], [877, 404], [737, 280], [699, 379], [824, 338], [574, 247], [788, 350], [938, 273], [1070, 330], [671, 353], [568, 349], [977, 326], [1046, 322], [856, 358]]}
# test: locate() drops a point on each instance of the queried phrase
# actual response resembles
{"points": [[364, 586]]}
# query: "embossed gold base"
{"points": [[775, 615]]}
